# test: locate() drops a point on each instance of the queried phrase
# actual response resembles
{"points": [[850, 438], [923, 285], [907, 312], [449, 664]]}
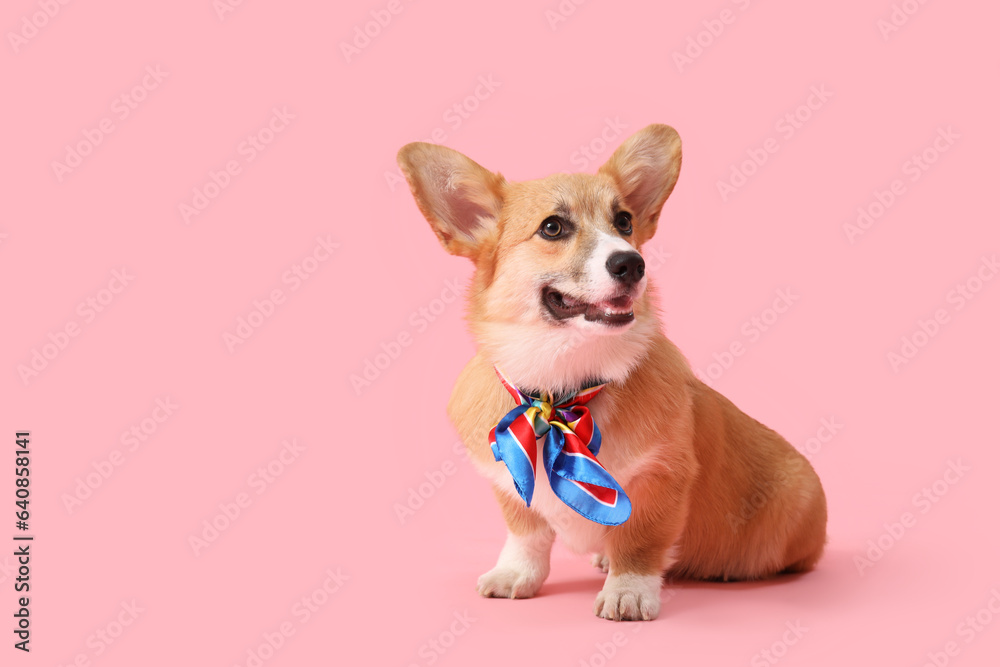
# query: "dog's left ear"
{"points": [[645, 168]]}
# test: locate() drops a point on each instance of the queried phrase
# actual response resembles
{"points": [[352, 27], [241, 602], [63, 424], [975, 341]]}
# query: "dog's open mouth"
{"points": [[613, 312]]}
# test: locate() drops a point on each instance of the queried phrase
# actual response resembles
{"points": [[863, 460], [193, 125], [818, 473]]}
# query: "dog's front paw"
{"points": [[509, 582], [629, 597]]}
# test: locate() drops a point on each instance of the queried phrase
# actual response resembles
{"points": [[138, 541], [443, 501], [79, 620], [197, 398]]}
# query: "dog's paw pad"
{"points": [[629, 597], [506, 582], [600, 561]]}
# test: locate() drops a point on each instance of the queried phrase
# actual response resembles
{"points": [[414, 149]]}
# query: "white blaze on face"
{"points": [[537, 351], [600, 283]]}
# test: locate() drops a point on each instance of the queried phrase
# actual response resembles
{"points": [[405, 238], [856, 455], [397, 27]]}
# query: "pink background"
{"points": [[332, 506]]}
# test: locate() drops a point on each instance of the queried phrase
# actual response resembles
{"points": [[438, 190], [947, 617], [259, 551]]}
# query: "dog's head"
{"points": [[560, 292]]}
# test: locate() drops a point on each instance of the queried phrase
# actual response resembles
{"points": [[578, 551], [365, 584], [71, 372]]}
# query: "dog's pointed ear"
{"points": [[460, 199], [645, 169]]}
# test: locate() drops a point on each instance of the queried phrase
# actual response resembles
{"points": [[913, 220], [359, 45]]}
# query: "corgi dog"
{"points": [[569, 345]]}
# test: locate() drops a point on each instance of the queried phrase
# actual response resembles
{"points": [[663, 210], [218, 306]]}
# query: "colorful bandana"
{"points": [[572, 441]]}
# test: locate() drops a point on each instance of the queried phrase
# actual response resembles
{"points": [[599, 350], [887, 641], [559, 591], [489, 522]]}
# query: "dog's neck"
{"points": [[560, 360]]}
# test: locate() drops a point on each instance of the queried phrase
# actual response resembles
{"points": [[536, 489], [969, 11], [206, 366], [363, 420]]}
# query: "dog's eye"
{"points": [[552, 227], [623, 222]]}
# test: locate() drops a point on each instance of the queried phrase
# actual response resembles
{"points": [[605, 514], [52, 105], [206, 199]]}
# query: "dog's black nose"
{"points": [[626, 266]]}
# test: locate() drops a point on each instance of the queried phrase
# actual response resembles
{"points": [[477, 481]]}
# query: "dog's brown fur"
{"points": [[715, 494]]}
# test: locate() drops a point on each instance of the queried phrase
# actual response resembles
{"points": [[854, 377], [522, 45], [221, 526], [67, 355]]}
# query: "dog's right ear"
{"points": [[459, 198]]}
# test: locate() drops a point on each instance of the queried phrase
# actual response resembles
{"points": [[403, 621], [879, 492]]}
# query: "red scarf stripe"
{"points": [[601, 494], [511, 389], [574, 445], [524, 432], [587, 394], [583, 427]]}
